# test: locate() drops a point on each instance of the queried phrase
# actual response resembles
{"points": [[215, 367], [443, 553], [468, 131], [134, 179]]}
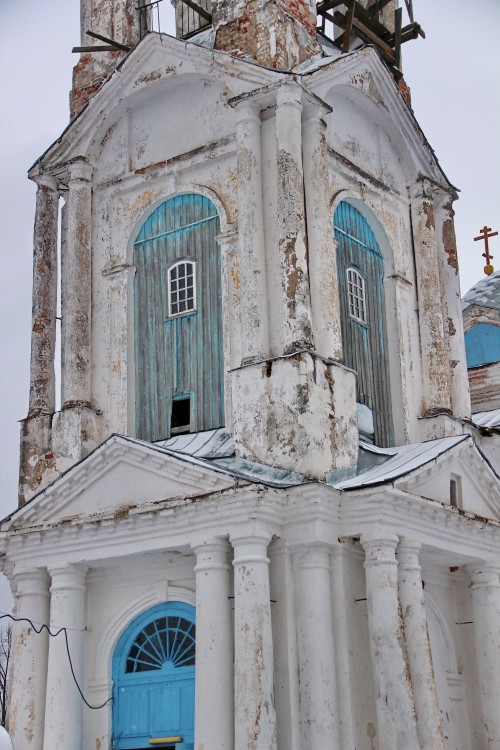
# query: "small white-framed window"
{"points": [[181, 288], [356, 297]]}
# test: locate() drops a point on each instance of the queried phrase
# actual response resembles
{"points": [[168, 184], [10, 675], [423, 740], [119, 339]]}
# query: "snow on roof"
{"points": [[486, 293], [487, 418]]}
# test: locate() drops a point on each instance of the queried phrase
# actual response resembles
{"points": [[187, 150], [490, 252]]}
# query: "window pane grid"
{"points": [[182, 296], [356, 295]]}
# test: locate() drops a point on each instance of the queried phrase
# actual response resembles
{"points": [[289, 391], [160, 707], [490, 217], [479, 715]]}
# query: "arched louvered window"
{"points": [[182, 288], [179, 359], [356, 295], [165, 642], [360, 270]]}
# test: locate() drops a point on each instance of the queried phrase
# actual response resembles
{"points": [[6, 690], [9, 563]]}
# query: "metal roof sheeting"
{"points": [[486, 293], [408, 458], [487, 418]]}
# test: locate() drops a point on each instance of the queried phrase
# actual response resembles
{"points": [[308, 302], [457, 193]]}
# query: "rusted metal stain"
{"points": [[178, 356]]}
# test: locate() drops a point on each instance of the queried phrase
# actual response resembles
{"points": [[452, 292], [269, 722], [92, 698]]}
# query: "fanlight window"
{"points": [[356, 296], [166, 642], [182, 288]]}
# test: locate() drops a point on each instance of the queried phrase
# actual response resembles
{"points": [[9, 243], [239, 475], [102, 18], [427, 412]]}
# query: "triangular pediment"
{"points": [[428, 469], [118, 476], [363, 78], [159, 65], [461, 476]]}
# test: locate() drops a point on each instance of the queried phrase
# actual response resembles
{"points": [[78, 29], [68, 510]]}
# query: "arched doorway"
{"points": [[179, 361], [153, 680], [360, 268]]}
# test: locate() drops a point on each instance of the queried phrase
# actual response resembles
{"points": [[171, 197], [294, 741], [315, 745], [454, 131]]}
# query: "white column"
{"points": [[63, 711], [452, 308], [214, 711], [485, 589], [29, 660], [255, 717], [76, 301], [325, 304], [291, 227], [436, 394], [411, 595], [315, 647], [341, 646], [43, 328], [396, 722], [251, 243]]}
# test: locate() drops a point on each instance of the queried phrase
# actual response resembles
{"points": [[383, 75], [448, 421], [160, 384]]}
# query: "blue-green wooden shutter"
{"points": [[365, 346], [181, 355]]}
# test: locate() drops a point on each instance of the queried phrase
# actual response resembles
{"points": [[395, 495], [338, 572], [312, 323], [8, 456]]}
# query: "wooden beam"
{"points": [[96, 48], [398, 22], [366, 35], [328, 5], [116, 45], [348, 22]]}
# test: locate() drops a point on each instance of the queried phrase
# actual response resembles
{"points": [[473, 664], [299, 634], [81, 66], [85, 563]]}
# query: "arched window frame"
{"points": [[356, 295], [174, 302]]}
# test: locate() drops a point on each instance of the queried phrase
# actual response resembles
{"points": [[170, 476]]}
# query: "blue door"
{"points": [[153, 676], [360, 268]]}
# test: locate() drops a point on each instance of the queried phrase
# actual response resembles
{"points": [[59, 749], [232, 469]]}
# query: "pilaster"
{"points": [[485, 590], [251, 242], [325, 303], [76, 288], [214, 702], [43, 329], [435, 386], [452, 308], [29, 660], [254, 714], [411, 595], [396, 721], [63, 710], [291, 229]]}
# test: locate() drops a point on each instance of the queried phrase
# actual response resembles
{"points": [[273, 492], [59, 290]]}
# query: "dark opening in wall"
{"points": [[180, 420]]}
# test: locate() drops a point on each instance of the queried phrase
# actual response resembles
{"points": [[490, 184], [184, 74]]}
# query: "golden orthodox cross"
{"points": [[485, 234]]}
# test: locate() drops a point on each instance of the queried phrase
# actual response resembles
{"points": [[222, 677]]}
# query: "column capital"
{"points": [[408, 553], [211, 555], [247, 109], [289, 93], [484, 575], [47, 181], [422, 189], [250, 547], [31, 581], [379, 548], [67, 576], [80, 171], [315, 555]]}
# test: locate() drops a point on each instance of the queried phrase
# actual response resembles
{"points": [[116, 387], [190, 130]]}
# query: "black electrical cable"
{"points": [[54, 635]]}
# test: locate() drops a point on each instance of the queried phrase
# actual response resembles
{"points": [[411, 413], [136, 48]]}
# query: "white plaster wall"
{"points": [[115, 596]]}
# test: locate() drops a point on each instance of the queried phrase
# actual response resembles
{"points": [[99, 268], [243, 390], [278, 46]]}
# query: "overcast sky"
{"points": [[454, 79]]}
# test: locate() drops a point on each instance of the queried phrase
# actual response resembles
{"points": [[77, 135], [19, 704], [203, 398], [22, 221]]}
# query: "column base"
{"points": [[74, 433], [37, 461], [296, 412]]}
